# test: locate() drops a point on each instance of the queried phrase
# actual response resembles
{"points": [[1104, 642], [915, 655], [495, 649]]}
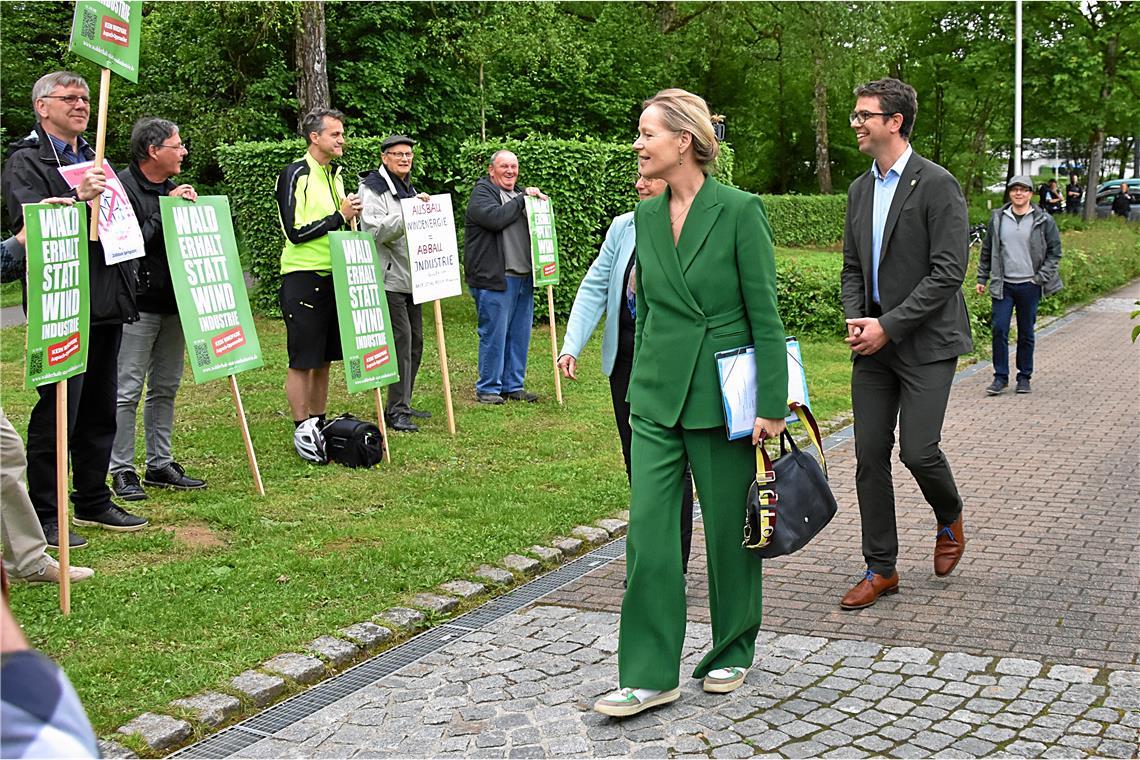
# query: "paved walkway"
{"points": [[1031, 648]]}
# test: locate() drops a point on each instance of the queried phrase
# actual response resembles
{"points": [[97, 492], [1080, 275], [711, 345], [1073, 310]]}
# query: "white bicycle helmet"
{"points": [[309, 442]]}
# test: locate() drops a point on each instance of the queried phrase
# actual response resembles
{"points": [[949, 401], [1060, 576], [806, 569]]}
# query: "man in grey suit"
{"points": [[905, 246]]}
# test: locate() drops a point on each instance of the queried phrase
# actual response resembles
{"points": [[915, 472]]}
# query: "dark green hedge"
{"points": [[589, 181], [808, 293], [806, 220], [250, 171]]}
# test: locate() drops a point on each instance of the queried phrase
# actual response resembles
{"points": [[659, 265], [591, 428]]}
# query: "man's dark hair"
{"points": [[314, 121], [894, 97], [149, 131]]}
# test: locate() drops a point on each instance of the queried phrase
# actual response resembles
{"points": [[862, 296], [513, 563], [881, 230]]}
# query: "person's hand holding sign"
{"points": [[186, 192], [22, 235], [424, 197], [92, 185], [536, 193], [351, 206]]}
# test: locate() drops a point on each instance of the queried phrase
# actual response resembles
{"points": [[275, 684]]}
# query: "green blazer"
{"points": [[715, 290]]}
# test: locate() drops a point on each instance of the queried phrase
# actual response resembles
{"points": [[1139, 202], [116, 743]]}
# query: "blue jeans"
{"points": [[1024, 296], [505, 319]]}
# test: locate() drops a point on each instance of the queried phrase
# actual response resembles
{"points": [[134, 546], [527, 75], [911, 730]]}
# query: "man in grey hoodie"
{"points": [[1021, 257], [381, 192]]}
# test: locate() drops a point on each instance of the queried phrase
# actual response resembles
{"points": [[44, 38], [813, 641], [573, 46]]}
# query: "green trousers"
{"points": [[653, 609]]}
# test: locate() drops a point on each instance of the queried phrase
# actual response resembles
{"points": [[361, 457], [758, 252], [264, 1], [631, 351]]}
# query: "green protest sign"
{"points": [[59, 306], [107, 32], [366, 340], [213, 305], [543, 240]]}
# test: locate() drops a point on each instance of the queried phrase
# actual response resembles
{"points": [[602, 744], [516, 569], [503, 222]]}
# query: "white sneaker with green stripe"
{"points": [[625, 702]]}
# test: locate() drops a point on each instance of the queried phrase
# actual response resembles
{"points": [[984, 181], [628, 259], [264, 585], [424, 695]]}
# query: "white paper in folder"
{"points": [[737, 371]]}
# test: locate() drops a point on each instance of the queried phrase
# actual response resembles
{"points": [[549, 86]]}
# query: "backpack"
{"points": [[353, 442]]}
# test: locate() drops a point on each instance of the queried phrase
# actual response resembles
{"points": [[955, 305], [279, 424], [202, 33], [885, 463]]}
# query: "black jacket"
{"points": [[1122, 204], [31, 173], [487, 217], [155, 291]]}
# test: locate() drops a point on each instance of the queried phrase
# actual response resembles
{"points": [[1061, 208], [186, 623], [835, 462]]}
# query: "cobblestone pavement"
{"points": [[523, 686], [1030, 649], [1051, 484]]}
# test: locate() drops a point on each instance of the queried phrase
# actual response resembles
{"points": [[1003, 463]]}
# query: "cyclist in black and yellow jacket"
{"points": [[312, 203]]}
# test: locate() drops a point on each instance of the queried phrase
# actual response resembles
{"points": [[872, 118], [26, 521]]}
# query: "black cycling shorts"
{"points": [[308, 305]]}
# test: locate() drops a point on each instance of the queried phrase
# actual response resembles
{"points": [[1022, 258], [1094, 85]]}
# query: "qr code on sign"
{"points": [[36, 363], [202, 354], [354, 368], [90, 23]]}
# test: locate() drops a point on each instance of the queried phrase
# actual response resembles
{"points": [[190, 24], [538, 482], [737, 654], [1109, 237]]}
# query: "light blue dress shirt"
{"points": [[885, 186]]}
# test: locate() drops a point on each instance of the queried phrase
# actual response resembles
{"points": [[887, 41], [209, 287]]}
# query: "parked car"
{"points": [[1107, 194], [1133, 184]]}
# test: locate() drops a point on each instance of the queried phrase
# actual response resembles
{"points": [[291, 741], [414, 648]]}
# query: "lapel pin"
{"points": [[913, 182]]}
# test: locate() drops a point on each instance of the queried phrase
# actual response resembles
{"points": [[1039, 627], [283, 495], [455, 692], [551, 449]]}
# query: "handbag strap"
{"points": [[812, 428], [764, 471]]}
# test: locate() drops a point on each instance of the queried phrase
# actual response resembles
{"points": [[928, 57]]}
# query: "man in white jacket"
{"points": [[381, 192]]}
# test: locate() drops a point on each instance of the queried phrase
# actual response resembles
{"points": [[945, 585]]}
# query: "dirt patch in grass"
{"points": [[195, 537]]}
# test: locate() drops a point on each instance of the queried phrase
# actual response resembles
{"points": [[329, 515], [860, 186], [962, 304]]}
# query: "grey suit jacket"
{"points": [[922, 264]]}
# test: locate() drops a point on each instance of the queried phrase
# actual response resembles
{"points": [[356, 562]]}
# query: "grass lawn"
{"points": [[10, 294], [223, 579]]}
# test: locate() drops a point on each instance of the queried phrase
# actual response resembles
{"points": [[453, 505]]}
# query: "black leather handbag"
{"points": [[790, 501]]}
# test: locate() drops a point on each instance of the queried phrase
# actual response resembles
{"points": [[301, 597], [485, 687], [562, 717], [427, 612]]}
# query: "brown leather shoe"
{"points": [[868, 590], [948, 547]]}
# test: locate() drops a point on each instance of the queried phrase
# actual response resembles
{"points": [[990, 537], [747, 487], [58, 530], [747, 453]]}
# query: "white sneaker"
{"points": [[49, 573], [724, 680], [625, 702]]}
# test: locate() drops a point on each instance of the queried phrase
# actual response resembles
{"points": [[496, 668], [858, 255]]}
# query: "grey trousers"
{"points": [[23, 537], [408, 333], [885, 389], [151, 352]]}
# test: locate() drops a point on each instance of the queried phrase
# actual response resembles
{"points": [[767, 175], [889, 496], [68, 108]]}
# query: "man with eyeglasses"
{"points": [[62, 104], [905, 247], [153, 346], [380, 193]]}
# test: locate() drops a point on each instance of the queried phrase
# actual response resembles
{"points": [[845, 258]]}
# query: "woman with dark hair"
{"points": [[705, 282]]}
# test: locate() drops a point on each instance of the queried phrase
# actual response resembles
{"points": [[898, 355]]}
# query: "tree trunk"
{"points": [[822, 156], [1097, 145], [312, 63]]}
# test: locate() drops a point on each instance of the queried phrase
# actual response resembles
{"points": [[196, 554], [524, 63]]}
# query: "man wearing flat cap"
{"points": [[1021, 258], [381, 192]]}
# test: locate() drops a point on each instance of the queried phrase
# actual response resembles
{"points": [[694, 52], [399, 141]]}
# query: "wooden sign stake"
{"points": [[383, 425], [245, 436], [62, 523], [554, 343], [443, 366], [100, 145]]}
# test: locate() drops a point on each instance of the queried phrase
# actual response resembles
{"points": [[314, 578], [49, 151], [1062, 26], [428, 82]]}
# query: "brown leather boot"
{"points": [[868, 590], [948, 547]]}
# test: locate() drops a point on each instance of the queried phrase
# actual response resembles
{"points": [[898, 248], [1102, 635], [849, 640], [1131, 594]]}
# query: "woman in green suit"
{"points": [[706, 282]]}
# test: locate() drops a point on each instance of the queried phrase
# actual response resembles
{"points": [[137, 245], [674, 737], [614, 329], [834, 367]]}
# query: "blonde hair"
{"points": [[682, 111]]}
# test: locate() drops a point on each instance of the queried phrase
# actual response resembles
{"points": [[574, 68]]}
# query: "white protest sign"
{"points": [[118, 225], [429, 229]]}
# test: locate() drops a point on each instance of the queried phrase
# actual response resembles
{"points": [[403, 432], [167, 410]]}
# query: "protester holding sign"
{"points": [[153, 347], [497, 263], [33, 171], [382, 217], [25, 557], [312, 203]]}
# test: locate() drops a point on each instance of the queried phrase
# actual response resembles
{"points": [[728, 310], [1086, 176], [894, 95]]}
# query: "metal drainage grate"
{"points": [[280, 716]]}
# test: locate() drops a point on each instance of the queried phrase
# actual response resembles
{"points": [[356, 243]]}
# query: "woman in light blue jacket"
{"points": [[608, 288]]}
